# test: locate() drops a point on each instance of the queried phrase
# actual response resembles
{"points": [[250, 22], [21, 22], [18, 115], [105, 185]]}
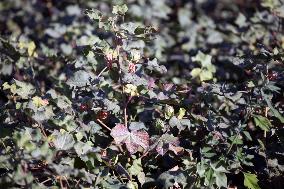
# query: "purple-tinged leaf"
{"points": [[132, 140], [151, 83], [168, 142], [168, 86], [120, 133]]}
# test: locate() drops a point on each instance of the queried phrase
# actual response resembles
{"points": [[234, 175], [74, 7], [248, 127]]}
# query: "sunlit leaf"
{"points": [[24, 89], [63, 141], [251, 181], [80, 78], [262, 122], [204, 59]]}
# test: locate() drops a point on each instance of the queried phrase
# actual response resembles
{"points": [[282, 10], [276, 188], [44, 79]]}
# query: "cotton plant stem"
{"points": [[123, 91], [125, 109], [125, 116], [124, 104], [266, 112]]}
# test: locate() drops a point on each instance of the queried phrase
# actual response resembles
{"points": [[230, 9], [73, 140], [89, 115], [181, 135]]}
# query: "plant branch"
{"points": [[102, 72], [104, 125]]}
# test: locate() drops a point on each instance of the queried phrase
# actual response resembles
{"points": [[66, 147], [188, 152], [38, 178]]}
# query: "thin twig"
{"points": [[45, 181], [66, 181], [4, 145], [77, 182], [104, 125], [44, 134], [232, 144], [42, 130], [125, 115], [61, 183], [102, 72]]}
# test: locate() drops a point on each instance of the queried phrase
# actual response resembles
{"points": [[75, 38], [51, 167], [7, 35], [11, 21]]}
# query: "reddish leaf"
{"points": [[103, 115], [131, 68], [132, 140]]}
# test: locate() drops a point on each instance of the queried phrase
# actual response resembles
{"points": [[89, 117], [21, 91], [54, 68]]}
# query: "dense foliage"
{"points": [[141, 94]]}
